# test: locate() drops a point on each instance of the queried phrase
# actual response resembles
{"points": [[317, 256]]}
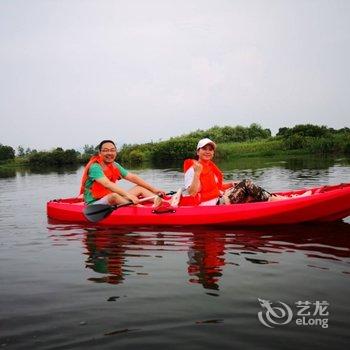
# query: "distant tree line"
{"points": [[59, 157], [306, 138], [235, 141], [315, 139], [21, 152], [181, 147], [55, 157], [310, 130]]}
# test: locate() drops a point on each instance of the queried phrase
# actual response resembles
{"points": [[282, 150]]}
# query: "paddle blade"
{"points": [[97, 212]]}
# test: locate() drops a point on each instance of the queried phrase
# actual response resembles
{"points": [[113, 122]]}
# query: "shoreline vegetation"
{"points": [[233, 142]]}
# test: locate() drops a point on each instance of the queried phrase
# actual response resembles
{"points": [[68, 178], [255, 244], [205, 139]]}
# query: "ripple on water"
{"points": [[73, 286]]}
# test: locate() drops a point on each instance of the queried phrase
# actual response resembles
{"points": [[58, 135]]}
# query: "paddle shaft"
{"points": [[97, 212], [146, 199]]}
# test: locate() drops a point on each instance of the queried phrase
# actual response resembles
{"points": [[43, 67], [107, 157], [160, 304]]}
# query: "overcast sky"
{"points": [[73, 72]]}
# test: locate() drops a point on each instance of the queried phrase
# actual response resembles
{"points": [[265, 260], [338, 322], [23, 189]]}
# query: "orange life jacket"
{"points": [[211, 183], [111, 172]]}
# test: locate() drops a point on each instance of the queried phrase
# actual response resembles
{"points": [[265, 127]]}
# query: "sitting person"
{"points": [[203, 179], [98, 185], [205, 186]]}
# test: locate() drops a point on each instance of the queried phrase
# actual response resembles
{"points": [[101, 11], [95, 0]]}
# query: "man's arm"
{"points": [[105, 182], [137, 180]]}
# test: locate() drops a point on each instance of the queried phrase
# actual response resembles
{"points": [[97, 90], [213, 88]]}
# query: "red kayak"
{"points": [[326, 203]]}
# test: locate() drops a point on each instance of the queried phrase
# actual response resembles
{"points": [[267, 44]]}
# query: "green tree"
{"points": [[89, 150], [255, 131], [136, 157], [56, 157], [20, 151], [306, 130], [283, 132], [30, 151], [6, 152], [173, 149]]}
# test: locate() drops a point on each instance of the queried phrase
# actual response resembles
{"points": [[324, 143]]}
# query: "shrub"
{"points": [[347, 148], [295, 142], [306, 130], [56, 157], [174, 149], [322, 145], [136, 157], [6, 152]]}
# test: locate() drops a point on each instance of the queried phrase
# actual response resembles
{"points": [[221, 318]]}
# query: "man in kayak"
{"points": [[205, 186], [98, 184]]}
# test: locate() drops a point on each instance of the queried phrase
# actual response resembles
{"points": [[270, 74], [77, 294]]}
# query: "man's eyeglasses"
{"points": [[105, 150]]}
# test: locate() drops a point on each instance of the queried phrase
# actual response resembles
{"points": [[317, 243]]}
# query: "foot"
{"points": [[277, 197], [175, 199], [305, 194], [157, 202]]}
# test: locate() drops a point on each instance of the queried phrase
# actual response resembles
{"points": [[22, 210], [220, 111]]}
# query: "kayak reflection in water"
{"points": [[116, 254], [206, 259], [100, 176], [205, 186]]}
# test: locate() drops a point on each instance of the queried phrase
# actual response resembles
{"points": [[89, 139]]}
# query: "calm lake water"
{"points": [[73, 287]]}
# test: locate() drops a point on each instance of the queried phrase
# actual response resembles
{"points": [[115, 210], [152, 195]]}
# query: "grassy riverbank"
{"points": [[302, 139], [232, 142], [278, 146], [14, 163]]}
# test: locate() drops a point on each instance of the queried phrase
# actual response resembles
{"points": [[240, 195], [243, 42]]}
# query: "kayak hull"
{"points": [[326, 203]]}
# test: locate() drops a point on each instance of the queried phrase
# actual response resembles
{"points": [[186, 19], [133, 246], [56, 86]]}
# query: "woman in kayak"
{"points": [[203, 179], [98, 184], [205, 186]]}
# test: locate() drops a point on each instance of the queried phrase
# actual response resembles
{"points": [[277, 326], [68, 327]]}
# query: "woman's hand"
{"points": [[197, 167]]}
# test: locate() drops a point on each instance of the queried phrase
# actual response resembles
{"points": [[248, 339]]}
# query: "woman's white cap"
{"points": [[204, 142]]}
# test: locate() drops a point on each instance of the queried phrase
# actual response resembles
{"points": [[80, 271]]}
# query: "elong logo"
{"points": [[279, 313], [274, 315]]}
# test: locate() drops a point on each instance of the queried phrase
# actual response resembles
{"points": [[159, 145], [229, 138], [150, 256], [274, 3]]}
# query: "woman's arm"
{"points": [[195, 185]]}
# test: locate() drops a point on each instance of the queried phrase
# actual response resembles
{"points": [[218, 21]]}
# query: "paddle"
{"points": [[97, 212]]}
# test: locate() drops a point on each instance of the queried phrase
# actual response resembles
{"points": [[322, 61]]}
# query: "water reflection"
{"points": [[106, 255], [309, 162], [28, 170], [67, 169], [111, 253], [206, 258], [7, 172], [283, 161], [115, 254]]}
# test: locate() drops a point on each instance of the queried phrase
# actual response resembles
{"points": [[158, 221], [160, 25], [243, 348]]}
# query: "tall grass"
{"points": [[176, 150], [251, 148]]}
